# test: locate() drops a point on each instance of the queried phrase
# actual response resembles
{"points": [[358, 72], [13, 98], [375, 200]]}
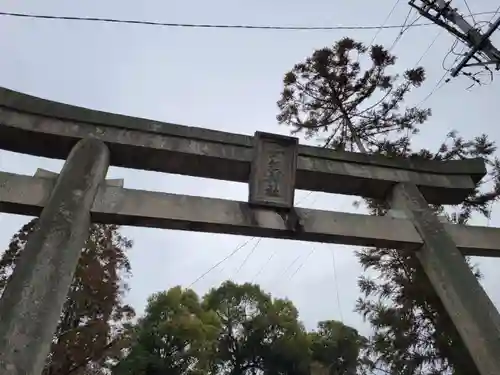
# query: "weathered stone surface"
{"points": [[152, 145], [272, 177], [44, 173], [27, 195], [475, 317], [31, 304]]}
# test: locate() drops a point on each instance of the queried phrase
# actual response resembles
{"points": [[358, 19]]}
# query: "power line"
{"points": [[470, 11], [419, 16], [336, 284], [429, 47], [264, 265], [419, 61], [437, 87], [494, 15], [219, 26], [311, 252], [452, 51], [403, 28], [290, 266], [440, 83], [238, 248], [306, 196], [381, 27], [254, 247]]}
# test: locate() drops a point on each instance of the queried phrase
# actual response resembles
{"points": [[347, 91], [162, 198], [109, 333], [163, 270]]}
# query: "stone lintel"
{"points": [[27, 195], [45, 128], [44, 173]]}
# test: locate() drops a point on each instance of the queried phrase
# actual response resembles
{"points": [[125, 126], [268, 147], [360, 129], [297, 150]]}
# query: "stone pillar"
{"points": [[33, 299], [476, 318]]}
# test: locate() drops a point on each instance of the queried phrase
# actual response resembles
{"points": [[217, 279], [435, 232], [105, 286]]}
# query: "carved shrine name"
{"points": [[272, 180]]}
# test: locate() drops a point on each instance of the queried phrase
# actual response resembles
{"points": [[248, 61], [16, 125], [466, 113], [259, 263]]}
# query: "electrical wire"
{"points": [[280, 277], [218, 26], [238, 248], [273, 254], [311, 252], [429, 47], [419, 16], [494, 14], [477, 76], [304, 197], [404, 28], [443, 80], [248, 255], [470, 11], [436, 88], [419, 61], [454, 52], [381, 27], [334, 264], [264, 265]]}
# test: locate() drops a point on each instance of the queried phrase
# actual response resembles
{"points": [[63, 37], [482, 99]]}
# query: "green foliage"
{"points": [[337, 347], [93, 325], [331, 93], [175, 335], [236, 330], [258, 333]]}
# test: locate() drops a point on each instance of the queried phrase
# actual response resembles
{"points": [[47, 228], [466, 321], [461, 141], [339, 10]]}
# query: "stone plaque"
{"points": [[272, 177]]}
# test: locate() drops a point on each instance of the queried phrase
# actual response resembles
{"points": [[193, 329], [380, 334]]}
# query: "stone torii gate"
{"points": [[273, 166]]}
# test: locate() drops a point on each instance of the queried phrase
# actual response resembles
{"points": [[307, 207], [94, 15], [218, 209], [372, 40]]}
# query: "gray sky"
{"points": [[226, 80]]}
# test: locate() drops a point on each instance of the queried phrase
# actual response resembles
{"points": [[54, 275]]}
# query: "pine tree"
{"points": [[413, 332], [331, 93], [93, 324], [362, 108]]}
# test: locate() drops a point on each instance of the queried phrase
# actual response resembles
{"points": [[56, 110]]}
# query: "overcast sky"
{"points": [[229, 80]]}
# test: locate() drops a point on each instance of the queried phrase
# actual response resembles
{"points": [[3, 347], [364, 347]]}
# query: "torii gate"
{"points": [[273, 166]]}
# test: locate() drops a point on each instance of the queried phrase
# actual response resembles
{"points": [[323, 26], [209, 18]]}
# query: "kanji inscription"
{"points": [[272, 180]]}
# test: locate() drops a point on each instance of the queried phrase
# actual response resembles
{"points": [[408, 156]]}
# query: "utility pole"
{"points": [[481, 50]]}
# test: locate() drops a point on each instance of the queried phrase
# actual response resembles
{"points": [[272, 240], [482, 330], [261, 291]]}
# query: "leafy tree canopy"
{"points": [[258, 333], [175, 335], [236, 329], [337, 347]]}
